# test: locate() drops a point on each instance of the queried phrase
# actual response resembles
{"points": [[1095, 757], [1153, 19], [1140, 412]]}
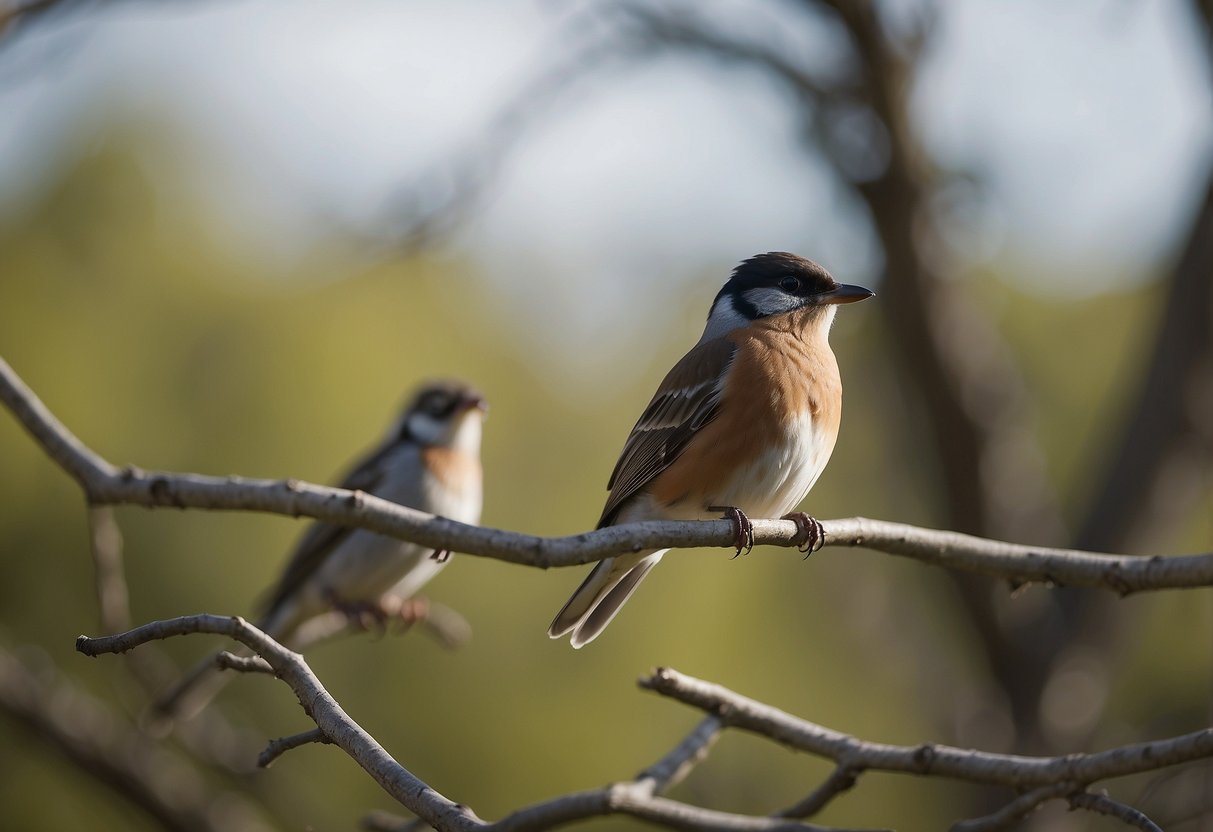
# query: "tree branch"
{"points": [[105, 483], [637, 798], [226, 660], [1040, 778], [1104, 805], [276, 748], [1016, 771], [340, 729], [840, 780]]}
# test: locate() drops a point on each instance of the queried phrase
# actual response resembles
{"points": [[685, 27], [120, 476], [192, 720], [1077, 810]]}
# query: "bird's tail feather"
{"points": [[599, 598]]}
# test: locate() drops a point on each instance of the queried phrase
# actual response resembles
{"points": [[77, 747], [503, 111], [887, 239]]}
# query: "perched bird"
{"points": [[430, 460], [743, 424]]}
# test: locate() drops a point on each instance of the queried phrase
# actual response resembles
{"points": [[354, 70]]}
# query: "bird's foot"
{"points": [[814, 535], [362, 615], [743, 529], [405, 611]]}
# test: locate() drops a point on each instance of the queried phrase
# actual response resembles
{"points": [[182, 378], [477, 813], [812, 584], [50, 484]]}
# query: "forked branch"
{"points": [[638, 798]]}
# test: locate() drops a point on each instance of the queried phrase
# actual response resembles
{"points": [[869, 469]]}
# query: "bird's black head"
{"points": [[437, 412], [779, 282]]}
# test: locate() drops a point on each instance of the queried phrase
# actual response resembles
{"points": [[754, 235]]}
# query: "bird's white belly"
{"points": [[367, 565], [774, 482]]}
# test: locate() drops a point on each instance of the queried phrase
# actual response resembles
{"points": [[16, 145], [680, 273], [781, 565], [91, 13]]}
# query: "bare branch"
{"points": [[1104, 805], [737, 711], [1015, 811], [276, 748], [840, 780], [673, 768], [105, 483], [242, 664], [636, 798], [113, 599], [1044, 778], [342, 731]]}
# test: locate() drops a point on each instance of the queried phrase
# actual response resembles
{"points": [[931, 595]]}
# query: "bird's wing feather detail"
{"points": [[687, 399], [322, 538]]}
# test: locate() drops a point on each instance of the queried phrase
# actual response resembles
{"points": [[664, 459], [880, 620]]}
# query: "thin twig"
{"points": [[276, 748], [104, 483], [1104, 805], [1017, 771], [1014, 811], [840, 780], [226, 660], [673, 768], [113, 598]]}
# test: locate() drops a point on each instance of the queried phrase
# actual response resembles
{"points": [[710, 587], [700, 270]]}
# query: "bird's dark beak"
{"points": [[474, 401], [845, 293]]}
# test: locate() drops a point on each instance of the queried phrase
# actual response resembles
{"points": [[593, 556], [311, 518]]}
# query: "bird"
{"points": [[429, 460], [743, 424]]}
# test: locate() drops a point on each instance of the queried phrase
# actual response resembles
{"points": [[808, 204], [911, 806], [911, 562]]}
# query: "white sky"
{"points": [[1090, 120]]}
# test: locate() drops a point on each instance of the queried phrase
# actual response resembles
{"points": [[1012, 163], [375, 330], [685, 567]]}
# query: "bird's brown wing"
{"points": [[321, 538], [687, 399]]}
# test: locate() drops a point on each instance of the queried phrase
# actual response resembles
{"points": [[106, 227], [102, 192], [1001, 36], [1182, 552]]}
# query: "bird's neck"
{"points": [[809, 323], [466, 439]]}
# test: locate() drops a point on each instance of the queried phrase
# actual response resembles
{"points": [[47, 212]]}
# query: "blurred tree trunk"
{"points": [[1165, 444], [977, 406]]}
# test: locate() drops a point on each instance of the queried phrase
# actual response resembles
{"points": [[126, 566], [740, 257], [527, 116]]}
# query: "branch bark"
{"points": [[105, 483]]}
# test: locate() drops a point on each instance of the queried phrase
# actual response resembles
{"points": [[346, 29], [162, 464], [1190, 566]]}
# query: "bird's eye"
{"points": [[790, 284]]}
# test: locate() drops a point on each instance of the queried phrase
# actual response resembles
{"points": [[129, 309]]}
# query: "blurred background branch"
{"points": [[101, 746]]}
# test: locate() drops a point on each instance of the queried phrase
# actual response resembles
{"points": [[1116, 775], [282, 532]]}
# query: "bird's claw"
{"points": [[743, 529], [407, 611], [810, 527], [362, 615], [377, 615]]}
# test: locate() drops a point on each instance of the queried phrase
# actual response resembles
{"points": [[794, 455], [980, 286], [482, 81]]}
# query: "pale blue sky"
{"points": [[1090, 120]]}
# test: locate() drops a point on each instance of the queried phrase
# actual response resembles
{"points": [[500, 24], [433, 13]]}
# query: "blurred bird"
{"points": [[743, 424], [429, 461]]}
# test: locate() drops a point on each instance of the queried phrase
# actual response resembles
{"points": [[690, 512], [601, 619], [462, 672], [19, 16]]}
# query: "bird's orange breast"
{"points": [[453, 469], [779, 416]]}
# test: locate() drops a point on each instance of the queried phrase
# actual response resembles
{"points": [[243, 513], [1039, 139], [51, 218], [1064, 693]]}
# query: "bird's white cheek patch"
{"points": [[722, 320]]}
